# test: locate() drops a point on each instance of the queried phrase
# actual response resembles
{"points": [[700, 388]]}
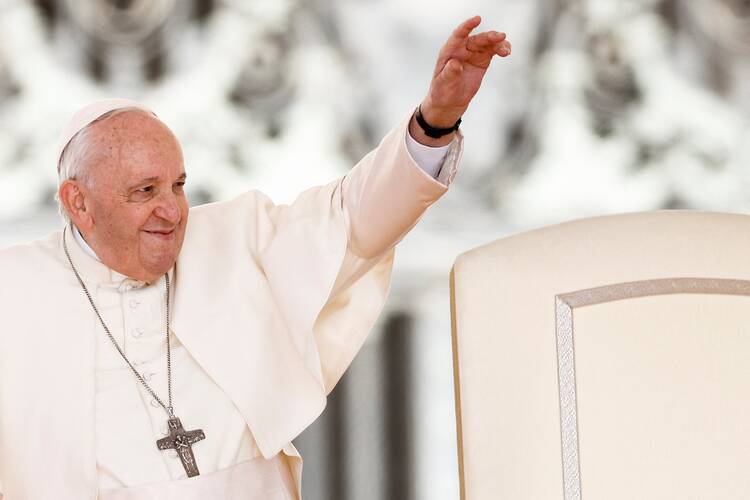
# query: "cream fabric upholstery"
{"points": [[655, 372]]}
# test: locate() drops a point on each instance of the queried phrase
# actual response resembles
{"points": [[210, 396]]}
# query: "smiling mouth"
{"points": [[165, 235]]}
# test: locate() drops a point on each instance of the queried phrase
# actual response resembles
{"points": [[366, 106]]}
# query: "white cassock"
{"points": [[270, 305]]}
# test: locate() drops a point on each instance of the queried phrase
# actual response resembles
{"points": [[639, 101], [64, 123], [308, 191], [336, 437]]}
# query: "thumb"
{"points": [[452, 70]]}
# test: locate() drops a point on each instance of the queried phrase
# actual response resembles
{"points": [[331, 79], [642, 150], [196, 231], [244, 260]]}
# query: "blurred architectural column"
{"points": [[720, 31], [398, 359], [362, 446]]}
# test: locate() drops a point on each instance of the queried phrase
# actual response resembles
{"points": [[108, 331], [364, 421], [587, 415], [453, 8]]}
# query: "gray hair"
{"points": [[74, 160]]}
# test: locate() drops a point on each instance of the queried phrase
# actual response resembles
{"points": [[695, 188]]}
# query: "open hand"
{"points": [[461, 65]]}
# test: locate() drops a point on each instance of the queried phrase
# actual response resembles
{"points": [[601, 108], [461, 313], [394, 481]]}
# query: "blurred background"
{"points": [[605, 106]]}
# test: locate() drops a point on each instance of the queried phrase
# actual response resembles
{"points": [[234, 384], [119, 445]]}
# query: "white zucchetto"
{"points": [[87, 115]]}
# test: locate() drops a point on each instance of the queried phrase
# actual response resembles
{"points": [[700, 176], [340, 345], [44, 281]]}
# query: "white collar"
{"points": [[124, 282], [85, 246]]}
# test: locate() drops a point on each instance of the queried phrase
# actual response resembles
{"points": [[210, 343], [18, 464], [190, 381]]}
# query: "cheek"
{"points": [[106, 215], [184, 210], [128, 219]]}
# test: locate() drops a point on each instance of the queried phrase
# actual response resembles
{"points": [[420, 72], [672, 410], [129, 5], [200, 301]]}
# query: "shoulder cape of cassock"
{"points": [[273, 301]]}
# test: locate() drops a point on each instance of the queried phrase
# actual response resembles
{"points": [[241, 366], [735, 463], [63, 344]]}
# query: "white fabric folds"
{"points": [[273, 301]]}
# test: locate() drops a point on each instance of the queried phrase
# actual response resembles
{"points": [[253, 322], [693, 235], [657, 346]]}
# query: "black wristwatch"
{"points": [[429, 130]]}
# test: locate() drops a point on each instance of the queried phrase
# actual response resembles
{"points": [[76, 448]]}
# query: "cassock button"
{"points": [[134, 303], [154, 403], [173, 454], [136, 333]]}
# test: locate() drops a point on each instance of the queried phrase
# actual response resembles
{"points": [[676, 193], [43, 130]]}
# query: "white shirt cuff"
{"points": [[427, 158]]}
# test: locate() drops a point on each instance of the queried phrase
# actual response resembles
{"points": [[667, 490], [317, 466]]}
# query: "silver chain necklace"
{"points": [[179, 439]]}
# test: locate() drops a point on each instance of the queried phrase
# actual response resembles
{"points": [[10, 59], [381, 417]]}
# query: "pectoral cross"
{"points": [[181, 440]]}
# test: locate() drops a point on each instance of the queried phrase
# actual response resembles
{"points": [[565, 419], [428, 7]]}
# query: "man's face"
{"points": [[134, 195]]}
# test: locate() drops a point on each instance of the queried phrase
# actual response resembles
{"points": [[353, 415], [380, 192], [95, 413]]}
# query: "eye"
{"points": [[142, 194]]}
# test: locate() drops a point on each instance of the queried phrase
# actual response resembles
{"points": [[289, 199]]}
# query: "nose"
{"points": [[168, 209]]}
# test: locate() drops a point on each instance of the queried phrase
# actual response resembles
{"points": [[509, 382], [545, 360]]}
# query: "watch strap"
{"points": [[431, 131]]}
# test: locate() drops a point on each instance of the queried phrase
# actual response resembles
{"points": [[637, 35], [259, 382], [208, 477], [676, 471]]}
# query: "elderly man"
{"points": [[146, 356]]}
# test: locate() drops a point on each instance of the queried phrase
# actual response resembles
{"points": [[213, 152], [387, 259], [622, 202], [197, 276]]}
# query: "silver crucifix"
{"points": [[181, 440]]}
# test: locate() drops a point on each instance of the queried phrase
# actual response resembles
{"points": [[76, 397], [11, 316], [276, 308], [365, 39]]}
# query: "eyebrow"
{"points": [[147, 180]]}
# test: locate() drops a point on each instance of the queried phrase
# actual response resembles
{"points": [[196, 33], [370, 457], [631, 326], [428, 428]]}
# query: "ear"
{"points": [[73, 198]]}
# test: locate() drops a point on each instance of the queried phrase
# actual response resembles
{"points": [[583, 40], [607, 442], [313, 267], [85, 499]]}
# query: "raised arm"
{"points": [[386, 193]]}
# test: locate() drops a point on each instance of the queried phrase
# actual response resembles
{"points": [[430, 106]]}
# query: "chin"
{"points": [[159, 258], [160, 263], [163, 265]]}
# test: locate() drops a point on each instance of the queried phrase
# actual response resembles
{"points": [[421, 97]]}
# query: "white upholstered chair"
{"points": [[606, 358]]}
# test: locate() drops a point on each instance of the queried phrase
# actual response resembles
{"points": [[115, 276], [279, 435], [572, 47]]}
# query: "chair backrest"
{"points": [[606, 358]]}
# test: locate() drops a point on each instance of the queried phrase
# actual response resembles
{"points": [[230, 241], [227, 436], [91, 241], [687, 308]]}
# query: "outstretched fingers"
{"points": [[476, 50], [503, 48], [485, 40], [462, 32]]}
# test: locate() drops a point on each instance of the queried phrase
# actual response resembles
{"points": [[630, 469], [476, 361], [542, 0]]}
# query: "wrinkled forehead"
{"points": [[89, 114]]}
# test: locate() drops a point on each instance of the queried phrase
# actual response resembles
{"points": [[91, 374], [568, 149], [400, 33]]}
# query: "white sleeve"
{"points": [[427, 158]]}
